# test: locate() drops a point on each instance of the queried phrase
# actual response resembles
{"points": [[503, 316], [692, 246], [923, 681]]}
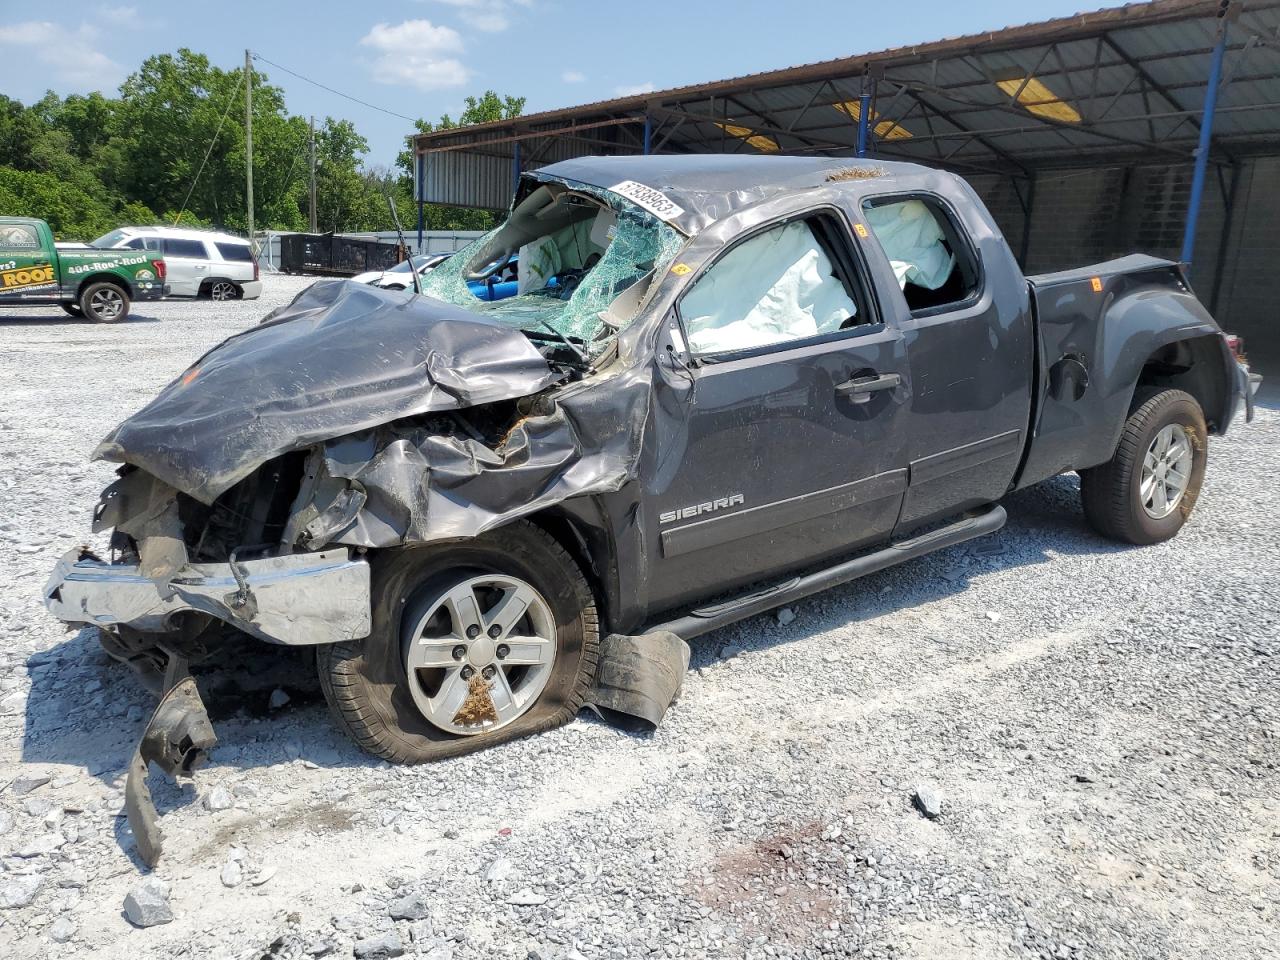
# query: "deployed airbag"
{"points": [[913, 242], [774, 287]]}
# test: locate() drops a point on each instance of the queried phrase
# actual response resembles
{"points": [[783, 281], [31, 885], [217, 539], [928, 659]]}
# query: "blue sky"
{"points": [[422, 57]]}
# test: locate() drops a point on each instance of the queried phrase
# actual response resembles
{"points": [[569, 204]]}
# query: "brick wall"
{"points": [[1083, 216]]}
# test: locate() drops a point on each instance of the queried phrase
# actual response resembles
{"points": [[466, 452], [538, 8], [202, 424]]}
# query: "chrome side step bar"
{"points": [[706, 619]]}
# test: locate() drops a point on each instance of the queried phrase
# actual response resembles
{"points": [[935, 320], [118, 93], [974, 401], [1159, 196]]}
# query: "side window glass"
{"points": [[777, 286], [137, 243], [933, 265], [193, 249], [19, 236]]}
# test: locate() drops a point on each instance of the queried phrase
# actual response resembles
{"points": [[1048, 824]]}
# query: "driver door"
{"points": [[26, 265], [795, 404]]}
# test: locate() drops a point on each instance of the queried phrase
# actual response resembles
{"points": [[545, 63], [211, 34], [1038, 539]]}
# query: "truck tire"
{"points": [[1147, 490], [222, 290], [104, 302], [73, 309], [433, 679]]}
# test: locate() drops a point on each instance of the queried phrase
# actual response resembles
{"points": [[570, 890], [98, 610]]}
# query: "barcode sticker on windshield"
{"points": [[655, 201]]}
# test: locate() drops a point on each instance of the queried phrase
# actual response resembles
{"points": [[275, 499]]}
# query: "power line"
{"points": [[317, 83], [183, 209]]}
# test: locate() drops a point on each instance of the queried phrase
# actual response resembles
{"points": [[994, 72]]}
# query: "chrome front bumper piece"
{"points": [[301, 599]]}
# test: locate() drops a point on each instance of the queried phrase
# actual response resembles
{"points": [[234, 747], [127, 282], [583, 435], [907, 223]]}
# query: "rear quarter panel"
{"points": [[1095, 333], [134, 269]]}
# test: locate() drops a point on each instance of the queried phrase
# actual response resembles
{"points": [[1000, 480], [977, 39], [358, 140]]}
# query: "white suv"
{"points": [[200, 263]]}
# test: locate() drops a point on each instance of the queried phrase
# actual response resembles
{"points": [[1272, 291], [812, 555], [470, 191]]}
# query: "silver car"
{"points": [[200, 263], [397, 278]]}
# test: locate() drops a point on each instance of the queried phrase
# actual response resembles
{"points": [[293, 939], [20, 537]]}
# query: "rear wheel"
{"points": [[473, 644], [1147, 490], [223, 290], [104, 302]]}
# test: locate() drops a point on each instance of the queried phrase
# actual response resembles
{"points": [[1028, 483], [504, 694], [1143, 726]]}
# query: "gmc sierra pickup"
{"points": [[723, 383]]}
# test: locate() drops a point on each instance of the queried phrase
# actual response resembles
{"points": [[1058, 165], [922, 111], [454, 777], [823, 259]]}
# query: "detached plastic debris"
{"points": [[638, 678]]}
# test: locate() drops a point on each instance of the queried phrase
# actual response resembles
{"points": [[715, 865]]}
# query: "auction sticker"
{"points": [[655, 201]]}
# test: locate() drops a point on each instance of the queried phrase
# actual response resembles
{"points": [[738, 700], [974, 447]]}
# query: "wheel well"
{"points": [[572, 534], [102, 278], [1194, 366], [208, 282]]}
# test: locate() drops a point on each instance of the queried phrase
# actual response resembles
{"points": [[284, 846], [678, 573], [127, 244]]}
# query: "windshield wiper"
{"points": [[395, 218], [568, 343]]}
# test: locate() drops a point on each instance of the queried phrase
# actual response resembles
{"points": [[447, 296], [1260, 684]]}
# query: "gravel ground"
{"points": [[1099, 725]]}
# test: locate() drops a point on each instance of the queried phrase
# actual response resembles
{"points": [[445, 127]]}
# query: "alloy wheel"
{"points": [[1166, 471], [479, 653], [107, 303]]}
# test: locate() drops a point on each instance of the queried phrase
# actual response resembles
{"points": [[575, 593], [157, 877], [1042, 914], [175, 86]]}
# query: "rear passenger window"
{"points": [[137, 243], [934, 264], [194, 249], [239, 252], [787, 283]]}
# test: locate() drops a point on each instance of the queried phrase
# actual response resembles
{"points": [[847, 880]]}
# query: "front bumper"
{"points": [[150, 291], [300, 599]]}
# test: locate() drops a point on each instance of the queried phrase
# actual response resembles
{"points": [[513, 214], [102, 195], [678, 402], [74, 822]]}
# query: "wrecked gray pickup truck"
{"points": [[724, 383]]}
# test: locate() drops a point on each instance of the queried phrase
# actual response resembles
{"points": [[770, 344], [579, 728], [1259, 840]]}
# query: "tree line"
{"points": [[90, 163]]}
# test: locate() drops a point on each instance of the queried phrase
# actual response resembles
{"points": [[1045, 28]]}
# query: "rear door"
{"points": [[967, 325], [187, 264], [27, 270], [793, 446]]}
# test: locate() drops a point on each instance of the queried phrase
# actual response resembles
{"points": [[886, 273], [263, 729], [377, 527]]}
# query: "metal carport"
{"points": [[1088, 136]]}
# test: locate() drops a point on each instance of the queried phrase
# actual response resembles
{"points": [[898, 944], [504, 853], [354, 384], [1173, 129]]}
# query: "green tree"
{"points": [[172, 144]]}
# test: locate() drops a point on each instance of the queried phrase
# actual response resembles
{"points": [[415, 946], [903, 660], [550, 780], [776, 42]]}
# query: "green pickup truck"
{"points": [[84, 281]]}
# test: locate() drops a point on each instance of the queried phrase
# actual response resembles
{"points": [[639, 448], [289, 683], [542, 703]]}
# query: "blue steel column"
{"points": [[648, 132], [422, 189], [864, 119], [1202, 151]]}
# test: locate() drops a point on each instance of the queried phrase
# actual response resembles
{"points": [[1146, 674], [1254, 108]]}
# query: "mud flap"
{"points": [[638, 678], [177, 740]]}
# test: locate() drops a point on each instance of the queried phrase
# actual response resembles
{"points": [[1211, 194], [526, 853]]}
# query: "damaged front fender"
{"points": [[408, 483]]}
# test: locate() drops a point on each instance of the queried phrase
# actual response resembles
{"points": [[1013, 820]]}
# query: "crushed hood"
{"points": [[343, 357]]}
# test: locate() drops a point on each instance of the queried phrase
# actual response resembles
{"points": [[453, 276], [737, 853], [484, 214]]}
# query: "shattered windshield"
{"points": [[565, 254]]}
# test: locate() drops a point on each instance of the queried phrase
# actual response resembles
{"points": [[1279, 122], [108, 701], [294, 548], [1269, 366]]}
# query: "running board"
{"points": [[706, 619]]}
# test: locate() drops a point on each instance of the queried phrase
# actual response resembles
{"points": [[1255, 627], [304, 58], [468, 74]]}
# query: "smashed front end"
{"points": [[253, 487]]}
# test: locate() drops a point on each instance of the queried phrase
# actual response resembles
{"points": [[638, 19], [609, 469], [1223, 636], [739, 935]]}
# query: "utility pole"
{"points": [[248, 136], [315, 228]]}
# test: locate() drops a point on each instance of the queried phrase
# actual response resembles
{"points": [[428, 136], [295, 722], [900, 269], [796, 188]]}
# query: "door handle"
{"points": [[859, 390]]}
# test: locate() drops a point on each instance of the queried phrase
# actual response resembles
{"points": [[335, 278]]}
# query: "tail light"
{"points": [[1236, 345], [159, 267]]}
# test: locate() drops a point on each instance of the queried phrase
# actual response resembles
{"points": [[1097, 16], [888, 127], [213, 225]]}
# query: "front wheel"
{"points": [[1147, 490], [473, 644], [104, 303]]}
